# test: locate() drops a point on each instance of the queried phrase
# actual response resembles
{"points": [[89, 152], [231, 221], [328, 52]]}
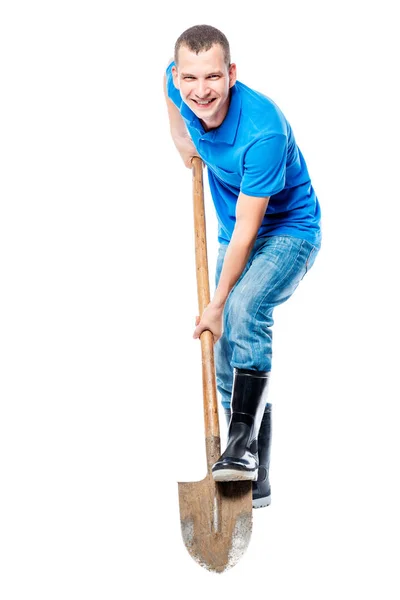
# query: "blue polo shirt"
{"points": [[254, 151]]}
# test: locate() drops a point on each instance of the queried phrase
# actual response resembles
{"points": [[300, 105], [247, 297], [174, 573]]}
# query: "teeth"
{"points": [[206, 102]]}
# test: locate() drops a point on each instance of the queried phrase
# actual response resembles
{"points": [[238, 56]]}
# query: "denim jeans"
{"points": [[275, 268]]}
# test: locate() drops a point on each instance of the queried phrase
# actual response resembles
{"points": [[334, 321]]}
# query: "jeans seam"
{"points": [[313, 250]]}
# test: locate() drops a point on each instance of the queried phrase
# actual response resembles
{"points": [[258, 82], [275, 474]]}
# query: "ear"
{"points": [[232, 74], [175, 77]]}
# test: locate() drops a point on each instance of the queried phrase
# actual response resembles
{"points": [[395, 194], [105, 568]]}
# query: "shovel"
{"points": [[216, 517]]}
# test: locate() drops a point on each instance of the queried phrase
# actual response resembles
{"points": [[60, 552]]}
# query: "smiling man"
{"points": [[268, 232]]}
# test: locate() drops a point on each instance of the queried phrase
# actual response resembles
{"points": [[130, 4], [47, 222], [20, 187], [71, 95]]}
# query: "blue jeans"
{"points": [[275, 268]]}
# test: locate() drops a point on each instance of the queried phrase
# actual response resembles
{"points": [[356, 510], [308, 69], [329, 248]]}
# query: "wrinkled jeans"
{"points": [[275, 268]]}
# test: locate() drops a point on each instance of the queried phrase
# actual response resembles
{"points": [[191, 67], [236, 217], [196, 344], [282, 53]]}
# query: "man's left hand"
{"points": [[211, 320]]}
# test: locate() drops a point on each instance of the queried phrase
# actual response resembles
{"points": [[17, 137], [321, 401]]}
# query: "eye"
{"points": [[214, 77], [188, 77]]}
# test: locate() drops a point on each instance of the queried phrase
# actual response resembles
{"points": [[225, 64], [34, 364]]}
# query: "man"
{"points": [[268, 231]]}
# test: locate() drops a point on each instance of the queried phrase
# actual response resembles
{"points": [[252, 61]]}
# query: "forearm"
{"points": [[236, 257], [250, 212]]}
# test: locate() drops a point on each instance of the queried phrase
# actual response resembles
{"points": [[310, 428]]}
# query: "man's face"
{"points": [[204, 81]]}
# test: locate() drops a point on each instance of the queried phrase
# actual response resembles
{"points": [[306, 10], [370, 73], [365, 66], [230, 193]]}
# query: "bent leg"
{"points": [[277, 266], [274, 270]]}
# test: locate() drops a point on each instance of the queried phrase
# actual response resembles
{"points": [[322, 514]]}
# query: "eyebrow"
{"points": [[208, 74]]}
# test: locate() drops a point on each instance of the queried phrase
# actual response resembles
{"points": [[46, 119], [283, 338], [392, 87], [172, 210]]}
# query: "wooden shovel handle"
{"points": [[203, 294]]}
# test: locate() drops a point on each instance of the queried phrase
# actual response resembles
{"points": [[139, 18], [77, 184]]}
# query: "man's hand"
{"points": [[211, 320], [186, 149]]}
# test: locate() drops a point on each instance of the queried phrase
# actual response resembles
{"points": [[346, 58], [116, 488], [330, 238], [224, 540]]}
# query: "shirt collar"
{"points": [[226, 132]]}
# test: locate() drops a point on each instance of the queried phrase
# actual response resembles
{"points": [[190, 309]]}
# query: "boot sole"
{"points": [[261, 502], [233, 475]]}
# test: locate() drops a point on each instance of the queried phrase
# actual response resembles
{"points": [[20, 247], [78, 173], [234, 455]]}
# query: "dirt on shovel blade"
{"points": [[216, 521]]}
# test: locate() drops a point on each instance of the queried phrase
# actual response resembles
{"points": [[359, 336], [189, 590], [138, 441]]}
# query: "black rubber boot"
{"points": [[261, 487], [240, 459]]}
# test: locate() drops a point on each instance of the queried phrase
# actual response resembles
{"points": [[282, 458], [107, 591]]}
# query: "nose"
{"points": [[202, 89]]}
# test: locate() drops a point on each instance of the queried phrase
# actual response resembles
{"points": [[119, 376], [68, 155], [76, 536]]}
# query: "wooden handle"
{"points": [[203, 293]]}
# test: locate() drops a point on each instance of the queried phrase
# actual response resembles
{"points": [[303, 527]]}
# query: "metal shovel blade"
{"points": [[216, 519]]}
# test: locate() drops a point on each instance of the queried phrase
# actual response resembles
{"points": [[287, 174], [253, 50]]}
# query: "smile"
{"points": [[204, 102]]}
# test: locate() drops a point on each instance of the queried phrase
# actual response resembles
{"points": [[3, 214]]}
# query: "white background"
{"points": [[101, 395]]}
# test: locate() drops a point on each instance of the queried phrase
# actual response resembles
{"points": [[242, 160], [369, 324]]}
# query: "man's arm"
{"points": [[179, 133], [264, 175], [250, 211]]}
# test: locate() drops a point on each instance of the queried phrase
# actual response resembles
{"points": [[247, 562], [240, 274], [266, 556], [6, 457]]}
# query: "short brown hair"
{"points": [[200, 38]]}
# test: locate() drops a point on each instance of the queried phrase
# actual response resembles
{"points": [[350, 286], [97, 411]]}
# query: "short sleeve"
{"points": [[173, 93], [265, 166]]}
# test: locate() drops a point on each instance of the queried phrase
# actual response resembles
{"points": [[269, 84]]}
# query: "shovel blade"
{"points": [[216, 521]]}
